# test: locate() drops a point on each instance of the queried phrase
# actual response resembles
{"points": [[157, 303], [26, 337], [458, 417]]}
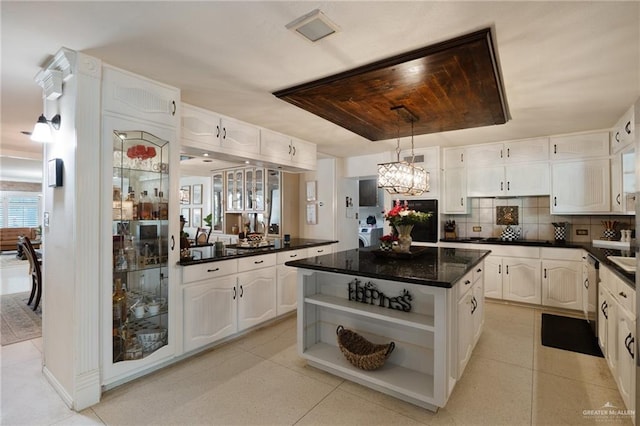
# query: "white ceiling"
{"points": [[566, 66]]}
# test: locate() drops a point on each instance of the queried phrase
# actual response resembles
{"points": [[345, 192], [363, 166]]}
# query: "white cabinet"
{"points": [[133, 96], [210, 311], [580, 146], [525, 179], [580, 186], [562, 284], [256, 297], [453, 158], [470, 316], [623, 132], [283, 149], [238, 137], [455, 191], [287, 281], [512, 278], [200, 128], [492, 154], [521, 280], [626, 370], [623, 181]]}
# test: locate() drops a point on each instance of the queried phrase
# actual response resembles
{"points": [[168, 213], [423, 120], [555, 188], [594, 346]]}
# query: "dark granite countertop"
{"points": [[435, 266], [599, 253], [207, 253]]}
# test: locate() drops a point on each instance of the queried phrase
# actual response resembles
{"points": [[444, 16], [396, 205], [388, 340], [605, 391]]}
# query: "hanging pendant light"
{"points": [[402, 177]]}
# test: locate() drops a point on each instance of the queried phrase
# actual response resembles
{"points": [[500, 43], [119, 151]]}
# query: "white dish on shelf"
{"points": [[626, 263], [151, 335]]}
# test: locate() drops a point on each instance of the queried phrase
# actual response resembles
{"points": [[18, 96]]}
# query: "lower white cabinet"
{"points": [[256, 297], [562, 284], [626, 374], [493, 277], [287, 281], [470, 320], [521, 280], [617, 332], [210, 311]]}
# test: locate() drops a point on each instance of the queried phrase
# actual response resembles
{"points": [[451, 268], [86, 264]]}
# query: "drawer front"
{"points": [[478, 271], [626, 296], [256, 262], [205, 271], [465, 284], [319, 250], [285, 256]]}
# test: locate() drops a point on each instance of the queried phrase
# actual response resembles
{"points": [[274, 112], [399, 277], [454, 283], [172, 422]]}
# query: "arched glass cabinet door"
{"points": [[140, 244]]}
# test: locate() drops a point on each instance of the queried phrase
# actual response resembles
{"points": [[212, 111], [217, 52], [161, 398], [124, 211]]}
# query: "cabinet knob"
{"points": [[555, 148], [618, 198], [623, 294], [257, 262], [467, 282], [617, 137], [217, 131], [224, 133], [241, 291], [173, 104], [213, 270], [234, 293], [479, 270], [627, 127]]}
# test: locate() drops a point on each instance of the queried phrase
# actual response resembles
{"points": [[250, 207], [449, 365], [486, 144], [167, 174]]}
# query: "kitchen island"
{"points": [[430, 306]]}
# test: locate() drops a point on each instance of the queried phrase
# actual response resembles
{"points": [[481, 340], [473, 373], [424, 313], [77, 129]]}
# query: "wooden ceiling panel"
{"points": [[451, 85]]}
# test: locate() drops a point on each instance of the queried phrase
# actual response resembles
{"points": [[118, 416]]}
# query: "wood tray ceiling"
{"points": [[455, 84]]}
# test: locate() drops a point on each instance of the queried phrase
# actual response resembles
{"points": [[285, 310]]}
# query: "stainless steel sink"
{"points": [[626, 263]]}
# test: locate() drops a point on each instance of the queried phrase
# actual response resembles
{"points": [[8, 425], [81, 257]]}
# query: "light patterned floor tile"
{"points": [[561, 401]]}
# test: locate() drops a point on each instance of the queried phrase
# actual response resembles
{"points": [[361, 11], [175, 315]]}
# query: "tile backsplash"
{"points": [[534, 221]]}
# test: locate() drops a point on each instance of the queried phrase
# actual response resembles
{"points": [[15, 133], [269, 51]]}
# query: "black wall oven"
{"points": [[424, 232]]}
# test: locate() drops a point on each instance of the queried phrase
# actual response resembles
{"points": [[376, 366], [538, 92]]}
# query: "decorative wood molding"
{"points": [[59, 69]]}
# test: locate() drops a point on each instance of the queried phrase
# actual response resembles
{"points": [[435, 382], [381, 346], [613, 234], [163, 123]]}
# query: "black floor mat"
{"points": [[570, 334]]}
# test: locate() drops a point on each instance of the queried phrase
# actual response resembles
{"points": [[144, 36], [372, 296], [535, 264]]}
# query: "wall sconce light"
{"points": [[42, 129]]}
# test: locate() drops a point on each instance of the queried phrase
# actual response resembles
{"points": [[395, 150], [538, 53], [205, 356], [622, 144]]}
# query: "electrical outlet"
{"points": [[582, 232], [477, 229]]}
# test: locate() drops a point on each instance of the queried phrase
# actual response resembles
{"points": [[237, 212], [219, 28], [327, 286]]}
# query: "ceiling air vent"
{"points": [[313, 26], [417, 159]]}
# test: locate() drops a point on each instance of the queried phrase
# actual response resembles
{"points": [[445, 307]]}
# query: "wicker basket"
{"points": [[360, 352]]}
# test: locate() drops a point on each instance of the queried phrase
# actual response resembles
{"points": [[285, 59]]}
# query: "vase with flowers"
{"points": [[403, 220]]}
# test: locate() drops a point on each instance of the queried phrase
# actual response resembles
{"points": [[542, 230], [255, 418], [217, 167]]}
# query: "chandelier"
{"points": [[402, 177]]}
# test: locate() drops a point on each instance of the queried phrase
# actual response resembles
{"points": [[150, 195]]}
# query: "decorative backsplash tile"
{"points": [[507, 215]]}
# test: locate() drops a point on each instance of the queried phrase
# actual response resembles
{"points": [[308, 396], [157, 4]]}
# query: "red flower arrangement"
{"points": [[401, 215]]}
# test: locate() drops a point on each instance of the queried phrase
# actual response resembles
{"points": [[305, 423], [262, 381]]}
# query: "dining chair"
{"points": [[35, 271]]}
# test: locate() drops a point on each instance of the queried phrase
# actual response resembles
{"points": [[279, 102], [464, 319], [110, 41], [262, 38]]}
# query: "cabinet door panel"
{"points": [[304, 154], [257, 297], [626, 368], [200, 128], [135, 96], [579, 146], [239, 137], [453, 157], [527, 150], [580, 186], [485, 181], [287, 289], [455, 191], [465, 332], [489, 154], [527, 179], [275, 147], [521, 280], [209, 312], [562, 284], [493, 277]]}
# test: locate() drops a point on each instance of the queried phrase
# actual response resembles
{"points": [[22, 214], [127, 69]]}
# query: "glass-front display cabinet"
{"points": [[140, 245]]}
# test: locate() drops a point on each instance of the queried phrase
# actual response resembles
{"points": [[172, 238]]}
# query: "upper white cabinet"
{"points": [[283, 149], [237, 140], [580, 146], [200, 128], [455, 191], [623, 132], [492, 154], [524, 179], [130, 95], [453, 157], [580, 186], [238, 137]]}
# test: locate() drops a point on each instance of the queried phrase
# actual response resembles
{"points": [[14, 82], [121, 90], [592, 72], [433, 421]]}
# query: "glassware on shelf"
{"points": [[145, 207], [121, 261]]}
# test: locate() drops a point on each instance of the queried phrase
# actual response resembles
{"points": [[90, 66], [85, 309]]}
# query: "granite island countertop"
{"points": [[208, 253], [435, 266]]}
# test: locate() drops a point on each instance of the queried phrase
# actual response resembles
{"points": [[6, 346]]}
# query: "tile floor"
{"points": [[259, 379]]}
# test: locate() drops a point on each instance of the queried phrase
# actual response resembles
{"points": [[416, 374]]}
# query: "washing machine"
{"points": [[369, 236]]}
